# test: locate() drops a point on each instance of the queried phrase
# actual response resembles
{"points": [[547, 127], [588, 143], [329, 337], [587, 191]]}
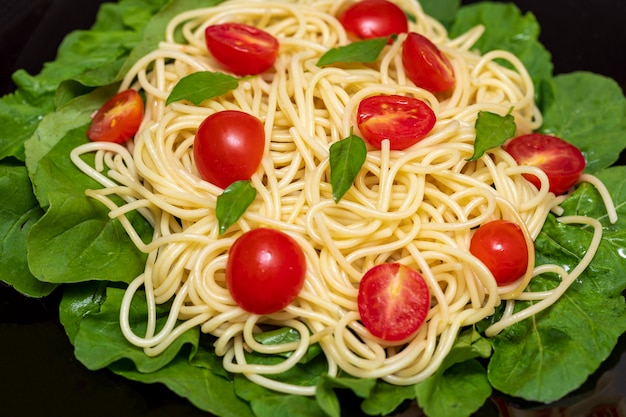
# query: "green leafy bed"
{"points": [[53, 235]]}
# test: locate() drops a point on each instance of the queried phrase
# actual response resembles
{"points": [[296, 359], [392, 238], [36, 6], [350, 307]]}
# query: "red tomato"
{"points": [[393, 301], [118, 119], [265, 270], [402, 120], [426, 65], [562, 162], [501, 246], [369, 19], [242, 49], [228, 147]]}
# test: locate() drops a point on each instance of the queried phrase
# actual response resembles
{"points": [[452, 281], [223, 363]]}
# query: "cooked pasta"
{"points": [[417, 206]]}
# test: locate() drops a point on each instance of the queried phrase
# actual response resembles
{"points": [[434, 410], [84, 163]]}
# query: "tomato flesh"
{"points": [[118, 119], [425, 65], [369, 19], [228, 147], [404, 121], [501, 246], [562, 162], [241, 49], [265, 270], [393, 301]]}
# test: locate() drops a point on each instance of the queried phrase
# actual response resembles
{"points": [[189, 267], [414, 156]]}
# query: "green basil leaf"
{"points": [[346, 159], [491, 131], [233, 202], [201, 86], [361, 51]]}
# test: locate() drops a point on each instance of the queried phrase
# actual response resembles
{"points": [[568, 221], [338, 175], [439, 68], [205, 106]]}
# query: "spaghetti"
{"points": [[417, 206]]}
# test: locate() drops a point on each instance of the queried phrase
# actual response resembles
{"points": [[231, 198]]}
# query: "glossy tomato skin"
{"points": [[501, 246], [228, 147], [562, 162], [393, 301], [425, 65], [118, 119], [241, 49], [404, 121], [369, 19], [265, 270]]}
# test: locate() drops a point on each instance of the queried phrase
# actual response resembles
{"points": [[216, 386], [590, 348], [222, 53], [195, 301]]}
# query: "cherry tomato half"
{"points": [[501, 246], [228, 147], [369, 19], [393, 301], [426, 65], [562, 162], [402, 120], [118, 119], [242, 49], [265, 270]]}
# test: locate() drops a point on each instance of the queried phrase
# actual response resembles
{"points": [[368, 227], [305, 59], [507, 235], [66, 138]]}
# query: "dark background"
{"points": [[38, 372]]}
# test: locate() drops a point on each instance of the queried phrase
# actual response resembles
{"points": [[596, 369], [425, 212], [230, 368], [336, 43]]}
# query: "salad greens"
{"points": [[53, 235]]}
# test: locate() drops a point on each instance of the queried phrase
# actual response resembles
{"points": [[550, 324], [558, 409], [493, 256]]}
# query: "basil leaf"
{"points": [[491, 131], [201, 86], [361, 51], [233, 202], [346, 159]]}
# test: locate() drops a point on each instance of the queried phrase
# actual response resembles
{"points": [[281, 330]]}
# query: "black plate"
{"points": [[38, 372]]}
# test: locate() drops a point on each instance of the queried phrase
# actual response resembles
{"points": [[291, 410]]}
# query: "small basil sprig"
{"points": [[346, 159], [492, 130], [360, 51], [201, 86], [233, 202]]}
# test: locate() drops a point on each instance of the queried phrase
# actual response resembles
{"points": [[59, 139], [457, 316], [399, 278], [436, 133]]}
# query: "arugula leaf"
{"points": [[327, 397], [100, 247], [78, 301], [507, 28], [19, 210], [359, 51], [287, 335], [460, 386], [201, 86], [548, 356], [442, 10], [491, 130], [266, 403], [346, 159], [93, 58], [100, 342], [589, 111], [386, 398], [233, 202]]}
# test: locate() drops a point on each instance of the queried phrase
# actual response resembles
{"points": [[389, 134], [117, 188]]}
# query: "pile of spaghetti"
{"points": [[416, 206]]}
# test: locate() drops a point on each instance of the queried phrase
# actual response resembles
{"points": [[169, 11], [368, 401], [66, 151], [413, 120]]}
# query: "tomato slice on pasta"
{"points": [[562, 162], [393, 301], [426, 65], [118, 119], [241, 49], [402, 120]]}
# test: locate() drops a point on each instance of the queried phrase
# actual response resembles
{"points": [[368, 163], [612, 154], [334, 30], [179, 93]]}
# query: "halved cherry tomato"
{"points": [[393, 301], [402, 120], [228, 147], [118, 119], [241, 49], [369, 19], [265, 270], [501, 246], [562, 162], [426, 65]]}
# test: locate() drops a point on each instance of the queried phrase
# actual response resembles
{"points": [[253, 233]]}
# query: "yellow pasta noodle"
{"points": [[417, 206]]}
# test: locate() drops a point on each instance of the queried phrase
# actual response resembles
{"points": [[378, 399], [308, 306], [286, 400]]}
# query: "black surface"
{"points": [[39, 375]]}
